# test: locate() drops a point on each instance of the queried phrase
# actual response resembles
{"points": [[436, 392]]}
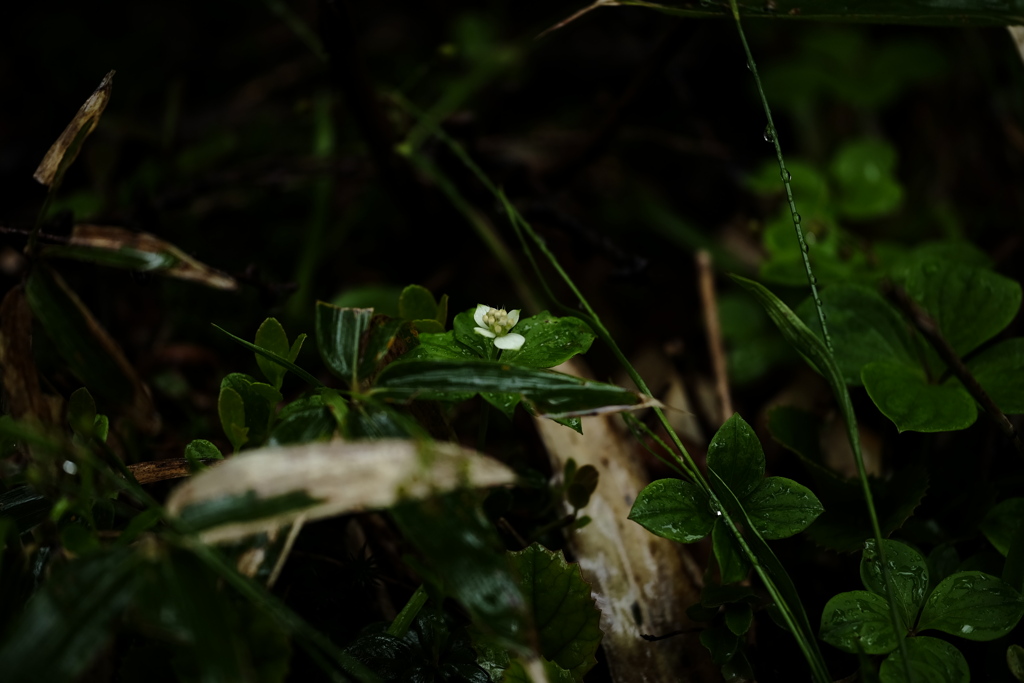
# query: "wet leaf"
{"points": [[333, 477], [904, 396], [732, 565], [721, 643], [64, 151], [972, 605], [780, 507], [931, 660], [302, 421], [858, 621], [563, 609], [121, 248], [908, 572], [735, 454], [674, 509], [550, 341]]}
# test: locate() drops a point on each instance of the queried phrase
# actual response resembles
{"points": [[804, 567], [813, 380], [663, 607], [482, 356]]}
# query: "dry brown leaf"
{"points": [[642, 583], [342, 477], [71, 139]]}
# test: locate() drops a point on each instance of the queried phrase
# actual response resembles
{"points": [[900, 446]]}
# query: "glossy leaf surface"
{"points": [[674, 509], [909, 573], [972, 605], [858, 621], [905, 397], [931, 660]]}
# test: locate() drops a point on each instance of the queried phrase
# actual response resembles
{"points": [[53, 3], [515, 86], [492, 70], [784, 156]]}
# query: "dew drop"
{"points": [[804, 247], [796, 218], [786, 175], [769, 133]]}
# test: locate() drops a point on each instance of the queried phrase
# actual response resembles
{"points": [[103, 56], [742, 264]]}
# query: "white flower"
{"points": [[496, 324]]}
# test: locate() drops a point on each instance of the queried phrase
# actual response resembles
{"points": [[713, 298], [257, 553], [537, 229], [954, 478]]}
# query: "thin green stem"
{"points": [[403, 621]]}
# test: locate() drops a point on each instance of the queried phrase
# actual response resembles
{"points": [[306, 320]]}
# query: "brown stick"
{"points": [[709, 304], [927, 326]]}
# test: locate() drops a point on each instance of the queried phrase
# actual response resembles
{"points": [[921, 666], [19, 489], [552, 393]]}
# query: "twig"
{"points": [[927, 326], [709, 303]]}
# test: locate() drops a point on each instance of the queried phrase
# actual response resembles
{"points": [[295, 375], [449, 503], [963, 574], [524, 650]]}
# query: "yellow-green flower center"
{"points": [[496, 320]]}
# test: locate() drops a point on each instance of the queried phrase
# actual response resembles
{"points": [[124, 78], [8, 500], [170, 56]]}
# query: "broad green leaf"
{"points": [[1015, 661], [82, 412], [63, 152], [121, 248], [780, 507], [462, 327], [972, 605], [858, 621], [86, 347], [302, 421], [863, 326], [373, 420], [971, 305], [739, 617], [735, 455], [416, 303], [69, 622], [231, 409], [909, 573], [931, 661], [916, 12], [381, 336], [549, 394], [674, 509], [273, 486], [259, 401], [1002, 522], [440, 347], [550, 341], [271, 336], [905, 397], [338, 334], [280, 360], [1000, 371], [731, 562], [721, 643], [868, 187], [506, 403], [199, 450], [567, 621], [463, 556]]}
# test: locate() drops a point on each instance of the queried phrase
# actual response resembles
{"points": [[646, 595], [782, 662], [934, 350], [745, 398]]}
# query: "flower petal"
{"points": [[513, 317], [478, 315], [510, 341], [485, 332]]}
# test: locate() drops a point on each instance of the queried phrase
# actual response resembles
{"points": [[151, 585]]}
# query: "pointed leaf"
{"points": [[231, 409], [259, 401], [1002, 522], [731, 562], [674, 509], [462, 328], [563, 610], [550, 341], [858, 621], [905, 397], [63, 152], [735, 454], [280, 360], [338, 335], [271, 336], [335, 478], [972, 605], [1000, 371], [909, 572], [780, 507], [931, 660], [739, 617], [440, 347], [121, 248]]}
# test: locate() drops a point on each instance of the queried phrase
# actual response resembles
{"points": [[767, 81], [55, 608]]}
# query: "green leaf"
{"points": [[1015, 661], [905, 397], [674, 509], [931, 660], [280, 360], [909, 573], [971, 305], [382, 332], [271, 336], [780, 507], [1000, 371], [550, 341], [440, 347], [70, 621], [338, 333], [581, 486], [1002, 522], [199, 450], [86, 347], [735, 455], [417, 303], [231, 410], [863, 326], [972, 605], [82, 413], [739, 617], [732, 565], [302, 421], [868, 186], [549, 394], [858, 621], [721, 643], [563, 610], [259, 401], [462, 327]]}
